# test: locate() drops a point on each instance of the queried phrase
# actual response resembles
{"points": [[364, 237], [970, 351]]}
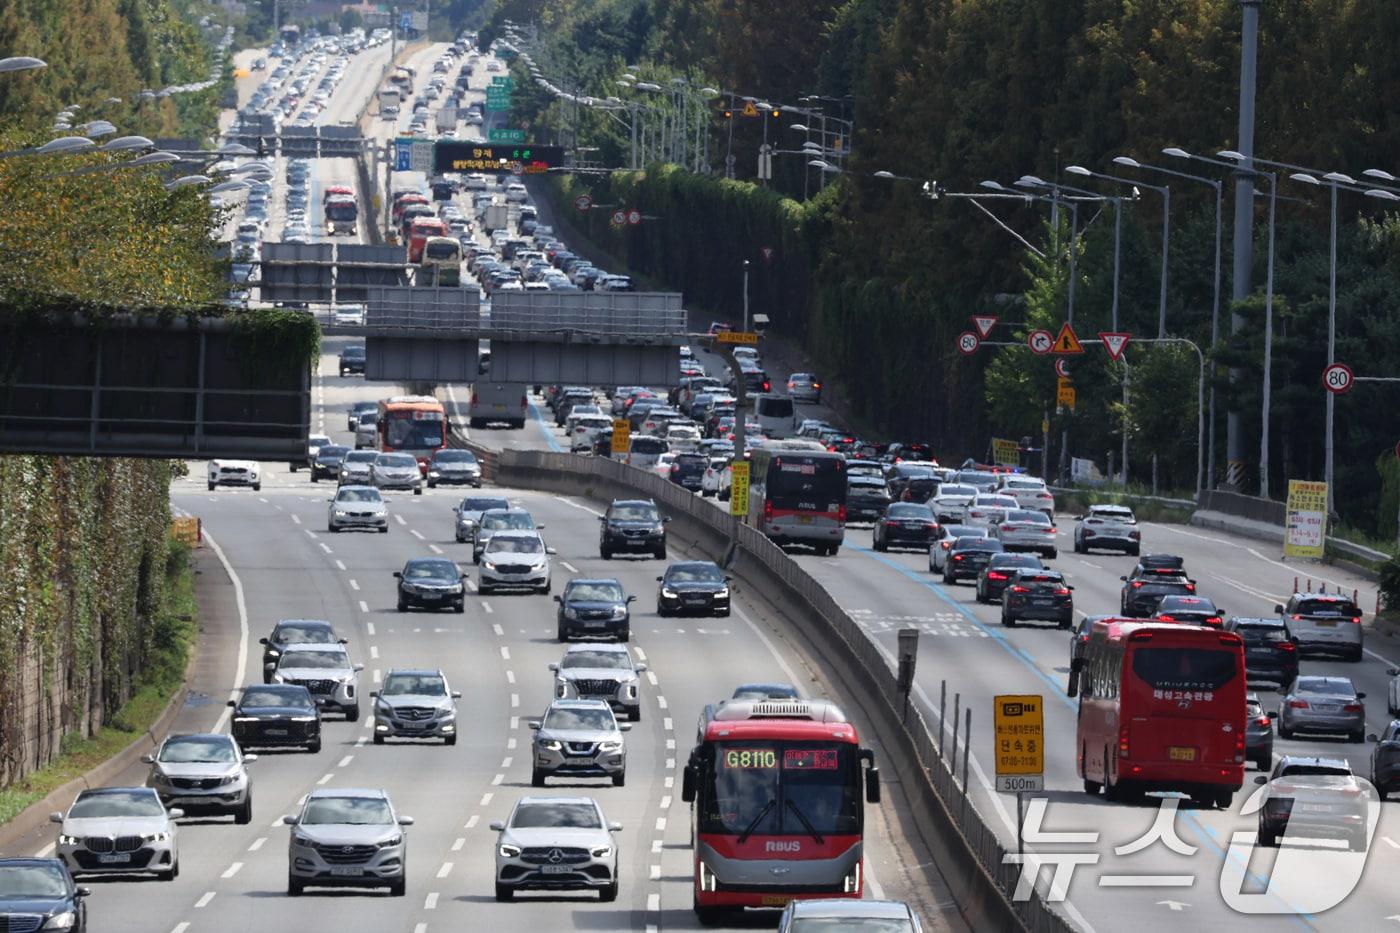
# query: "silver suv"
{"points": [[357, 507], [326, 672], [598, 671], [415, 704], [579, 738], [203, 774], [1323, 622], [347, 838], [556, 844]]}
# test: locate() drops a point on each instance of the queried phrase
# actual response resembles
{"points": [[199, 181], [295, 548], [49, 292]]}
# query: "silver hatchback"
{"points": [[579, 738], [1323, 704]]}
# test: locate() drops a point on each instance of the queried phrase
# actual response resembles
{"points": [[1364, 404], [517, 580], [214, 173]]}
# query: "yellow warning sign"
{"points": [[749, 109], [1019, 724], [1065, 397], [1067, 341], [746, 338], [621, 436], [739, 487], [1005, 452]]}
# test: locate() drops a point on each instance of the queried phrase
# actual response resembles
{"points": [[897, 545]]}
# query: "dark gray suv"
{"points": [[633, 525]]}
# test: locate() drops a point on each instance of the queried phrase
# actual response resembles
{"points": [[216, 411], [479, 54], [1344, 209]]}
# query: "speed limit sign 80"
{"points": [[1338, 378]]}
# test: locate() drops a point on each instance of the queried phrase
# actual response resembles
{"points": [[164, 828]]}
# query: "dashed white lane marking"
{"points": [[670, 764], [430, 902], [458, 843], [345, 762], [656, 846], [355, 585], [374, 652], [661, 702], [420, 928], [310, 534], [1391, 842], [653, 903], [360, 742], [514, 700], [670, 745], [417, 534], [486, 798], [364, 606], [500, 632], [666, 802], [568, 566], [510, 743], [651, 676], [399, 519], [180, 927], [578, 505], [435, 549], [1088, 563], [505, 762], [471, 823], [257, 844], [667, 724], [377, 677], [496, 781], [514, 722], [339, 564], [669, 782], [445, 870], [276, 822], [296, 519], [369, 627], [510, 677], [326, 778], [262, 500], [46, 851], [656, 873], [324, 546], [661, 824], [487, 606], [641, 655], [505, 653], [204, 899], [231, 870]]}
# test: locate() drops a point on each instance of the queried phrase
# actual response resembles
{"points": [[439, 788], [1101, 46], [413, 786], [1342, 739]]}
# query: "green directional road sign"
{"points": [[502, 81], [505, 136]]}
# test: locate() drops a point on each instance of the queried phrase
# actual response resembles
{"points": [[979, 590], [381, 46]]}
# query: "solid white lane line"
{"points": [[231, 870], [430, 902], [364, 606], [345, 762], [204, 899], [242, 658], [339, 564], [257, 844], [369, 627], [497, 629], [505, 653], [46, 851]]}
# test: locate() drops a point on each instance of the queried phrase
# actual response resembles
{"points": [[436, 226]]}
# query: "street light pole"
{"points": [[746, 296]]}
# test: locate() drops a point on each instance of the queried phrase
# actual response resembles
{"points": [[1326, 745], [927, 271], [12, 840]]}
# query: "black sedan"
{"points": [[352, 360], [39, 893], [906, 524], [693, 586], [1140, 596], [901, 476], [592, 608], [295, 632], [431, 583], [276, 715], [1258, 733], [1037, 594], [1385, 760], [688, 470], [997, 572], [867, 497], [967, 557], [327, 462], [1189, 610], [1269, 655]]}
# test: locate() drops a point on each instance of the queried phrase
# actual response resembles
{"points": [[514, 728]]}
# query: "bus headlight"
{"points": [[707, 878], [851, 885]]}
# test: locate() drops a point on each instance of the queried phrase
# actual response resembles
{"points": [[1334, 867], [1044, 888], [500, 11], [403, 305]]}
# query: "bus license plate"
{"points": [[774, 900], [1178, 753]]}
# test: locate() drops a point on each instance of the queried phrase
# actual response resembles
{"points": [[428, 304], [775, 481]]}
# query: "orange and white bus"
{"points": [[412, 424]]}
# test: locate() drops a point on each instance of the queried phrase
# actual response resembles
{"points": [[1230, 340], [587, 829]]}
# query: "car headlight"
{"points": [[561, 687], [722, 593], [433, 473], [66, 840], [278, 679], [601, 851], [302, 719], [230, 778], [488, 565], [610, 746], [61, 921], [391, 842], [668, 593], [570, 612], [299, 840], [273, 653], [156, 837], [551, 745], [341, 513], [619, 612], [507, 850]]}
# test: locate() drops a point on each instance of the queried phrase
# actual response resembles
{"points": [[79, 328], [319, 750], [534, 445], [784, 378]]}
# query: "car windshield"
{"points": [[1028, 517], [1262, 634], [197, 749], [956, 489], [431, 570], [362, 456], [396, 460], [454, 456], [428, 685], [354, 811], [321, 660], [594, 593], [502, 544], [777, 787], [286, 699], [135, 803], [695, 573], [593, 719], [293, 634], [846, 924], [616, 660], [1332, 686], [482, 504], [332, 452], [556, 815], [22, 881], [508, 521], [358, 495], [910, 510], [634, 513]]}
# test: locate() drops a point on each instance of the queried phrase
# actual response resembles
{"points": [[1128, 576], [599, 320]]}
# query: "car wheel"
{"points": [[314, 478], [548, 584], [384, 529], [624, 635], [1383, 792], [1355, 654], [1263, 763], [635, 713], [293, 467], [244, 814], [1092, 787], [418, 490], [314, 747], [605, 553], [484, 589], [725, 613], [450, 739], [504, 892], [403, 606], [352, 713], [1134, 552], [978, 595], [1358, 737], [460, 539], [659, 553], [536, 777], [877, 544], [257, 487], [432, 485], [1052, 554], [561, 634], [608, 893], [331, 529], [294, 886], [211, 486], [1284, 732], [398, 886], [378, 739], [1008, 620], [620, 780]]}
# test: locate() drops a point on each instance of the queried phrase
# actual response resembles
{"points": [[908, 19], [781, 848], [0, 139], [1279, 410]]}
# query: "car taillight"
{"points": [[1049, 531], [1137, 584], [841, 514], [816, 385], [930, 525], [1297, 618], [1166, 619], [957, 557], [994, 575], [1356, 620], [1190, 587], [1134, 535], [1089, 533], [1353, 708], [945, 544], [791, 386], [1214, 620], [1020, 589], [1006, 527], [765, 387], [1297, 704], [1062, 591], [474, 397], [1288, 646], [1262, 721], [767, 510]]}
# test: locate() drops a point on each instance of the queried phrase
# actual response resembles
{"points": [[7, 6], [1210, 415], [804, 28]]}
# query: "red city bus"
{"points": [[777, 790], [413, 424], [418, 233], [797, 493], [1161, 708]]}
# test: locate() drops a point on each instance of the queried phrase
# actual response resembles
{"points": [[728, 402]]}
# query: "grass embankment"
{"points": [[175, 626]]}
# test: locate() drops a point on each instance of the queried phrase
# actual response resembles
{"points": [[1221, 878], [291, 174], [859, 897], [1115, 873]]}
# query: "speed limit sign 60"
{"points": [[1338, 378], [968, 342]]}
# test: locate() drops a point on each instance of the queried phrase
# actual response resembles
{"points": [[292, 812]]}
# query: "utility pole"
{"points": [[746, 298], [1244, 226]]}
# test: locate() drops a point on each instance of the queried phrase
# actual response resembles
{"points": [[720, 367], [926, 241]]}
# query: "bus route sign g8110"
{"points": [[467, 156]]}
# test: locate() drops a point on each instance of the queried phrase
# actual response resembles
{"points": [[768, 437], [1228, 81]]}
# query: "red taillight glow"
{"points": [[1353, 708], [841, 515], [1214, 620], [995, 575], [1137, 584], [957, 557], [945, 544], [1297, 704], [1297, 618], [1262, 721], [1190, 587], [1062, 591], [1123, 741], [1288, 646], [767, 510], [1166, 619], [1020, 589], [1356, 620]]}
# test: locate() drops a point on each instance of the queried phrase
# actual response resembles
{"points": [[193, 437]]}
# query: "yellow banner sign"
{"points": [[739, 488], [1019, 724], [186, 528], [1065, 398], [621, 436], [1005, 452], [737, 336], [1306, 532]]}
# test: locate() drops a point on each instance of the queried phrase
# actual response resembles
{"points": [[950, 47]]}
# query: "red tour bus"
{"points": [[777, 789], [418, 233], [1161, 708], [413, 424]]}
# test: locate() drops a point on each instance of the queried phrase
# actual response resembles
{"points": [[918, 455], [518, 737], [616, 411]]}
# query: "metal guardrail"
{"points": [[1124, 498], [1251, 507], [952, 816]]}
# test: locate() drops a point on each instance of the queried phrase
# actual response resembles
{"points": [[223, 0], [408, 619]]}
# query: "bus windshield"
{"points": [[1182, 668], [775, 787], [804, 482], [412, 430], [342, 210]]}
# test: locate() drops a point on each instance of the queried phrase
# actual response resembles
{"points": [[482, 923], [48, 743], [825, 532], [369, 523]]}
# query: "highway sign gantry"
{"points": [[968, 342], [1338, 378], [1040, 341]]}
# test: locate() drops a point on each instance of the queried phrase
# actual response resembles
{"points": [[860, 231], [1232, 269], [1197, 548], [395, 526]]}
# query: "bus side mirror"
{"points": [[688, 783], [872, 785], [1072, 687]]}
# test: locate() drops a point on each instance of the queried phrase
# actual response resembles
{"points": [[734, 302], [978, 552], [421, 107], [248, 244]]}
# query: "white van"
{"points": [[775, 414], [645, 450]]}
